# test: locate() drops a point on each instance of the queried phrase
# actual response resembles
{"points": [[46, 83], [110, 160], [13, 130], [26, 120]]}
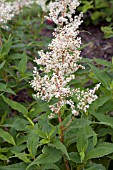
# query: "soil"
{"points": [[98, 46]]}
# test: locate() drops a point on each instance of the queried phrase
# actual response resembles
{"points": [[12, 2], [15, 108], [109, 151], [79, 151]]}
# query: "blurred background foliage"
{"points": [[26, 34], [100, 13]]}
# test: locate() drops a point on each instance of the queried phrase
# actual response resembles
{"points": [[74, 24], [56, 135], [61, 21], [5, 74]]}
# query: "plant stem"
{"points": [[62, 139], [61, 128]]}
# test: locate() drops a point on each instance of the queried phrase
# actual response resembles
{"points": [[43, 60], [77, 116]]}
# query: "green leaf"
{"points": [[104, 62], [87, 6], [17, 166], [44, 141], [18, 148], [95, 15], [21, 156], [19, 124], [108, 31], [59, 145], [104, 119], [33, 141], [82, 143], [70, 136], [22, 139], [40, 107], [90, 133], [7, 137], [16, 106], [100, 4], [100, 151], [3, 157], [99, 102], [2, 64], [4, 88], [94, 166], [7, 46], [101, 76], [49, 166], [3, 117], [49, 155], [4, 149], [72, 130], [41, 134], [104, 131], [74, 156], [79, 123], [23, 64]]}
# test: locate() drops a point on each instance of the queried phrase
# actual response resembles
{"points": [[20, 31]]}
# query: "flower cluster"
{"points": [[58, 65], [6, 14], [9, 9], [85, 98]]}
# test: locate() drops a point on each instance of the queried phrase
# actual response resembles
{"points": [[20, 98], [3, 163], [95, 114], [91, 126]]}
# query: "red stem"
{"points": [[62, 139]]}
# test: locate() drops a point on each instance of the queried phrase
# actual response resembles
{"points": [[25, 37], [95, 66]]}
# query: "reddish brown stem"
{"points": [[62, 139]]}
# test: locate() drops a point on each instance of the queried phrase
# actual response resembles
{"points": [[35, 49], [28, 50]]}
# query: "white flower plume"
{"points": [[59, 64]]}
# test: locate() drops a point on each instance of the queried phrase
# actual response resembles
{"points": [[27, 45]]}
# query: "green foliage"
{"points": [[7, 137], [99, 11], [108, 31]]}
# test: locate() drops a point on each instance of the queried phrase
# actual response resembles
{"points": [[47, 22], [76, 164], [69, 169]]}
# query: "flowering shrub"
{"points": [[61, 63], [65, 126]]}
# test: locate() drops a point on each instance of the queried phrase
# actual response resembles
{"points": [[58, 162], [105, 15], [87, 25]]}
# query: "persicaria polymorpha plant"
{"points": [[59, 64]]}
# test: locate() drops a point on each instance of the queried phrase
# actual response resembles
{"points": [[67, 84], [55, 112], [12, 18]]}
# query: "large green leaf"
{"points": [[101, 76], [100, 151], [82, 143], [7, 46], [70, 134], [91, 135], [104, 131], [79, 123], [104, 119], [33, 141], [94, 166], [17, 166], [49, 166], [40, 107], [16, 106], [99, 102], [4, 88], [104, 62], [59, 145], [49, 155], [22, 156], [18, 148], [87, 5], [23, 63], [74, 156], [3, 157], [17, 123], [7, 137]]}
